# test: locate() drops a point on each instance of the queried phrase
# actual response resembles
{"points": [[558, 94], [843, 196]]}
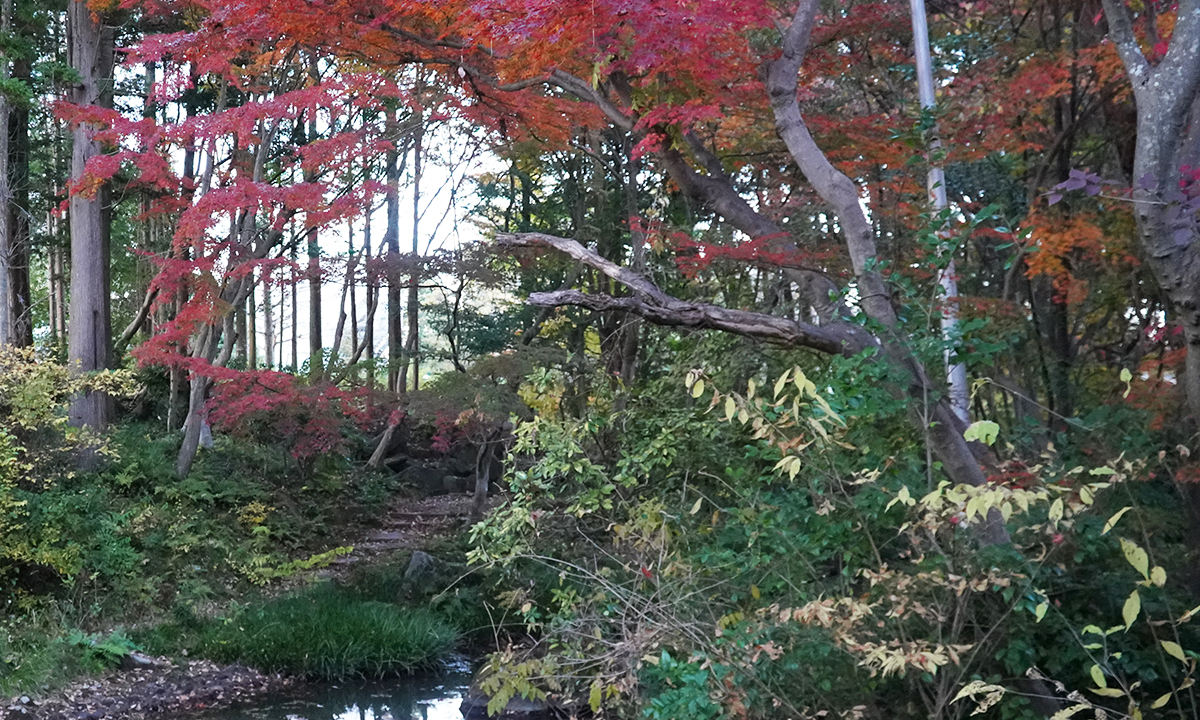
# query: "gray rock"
{"points": [[474, 707], [138, 661], [421, 567], [456, 484], [428, 478]]}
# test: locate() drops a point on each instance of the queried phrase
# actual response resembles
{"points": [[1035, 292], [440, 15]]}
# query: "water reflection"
{"points": [[434, 697]]}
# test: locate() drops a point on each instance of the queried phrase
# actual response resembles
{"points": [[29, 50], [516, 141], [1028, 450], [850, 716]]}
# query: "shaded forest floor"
{"points": [[161, 686]]}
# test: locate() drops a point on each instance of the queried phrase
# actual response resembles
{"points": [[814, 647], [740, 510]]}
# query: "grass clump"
{"points": [[320, 633]]}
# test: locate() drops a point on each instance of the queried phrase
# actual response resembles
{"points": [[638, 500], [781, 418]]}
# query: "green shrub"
{"points": [[40, 651], [321, 633]]}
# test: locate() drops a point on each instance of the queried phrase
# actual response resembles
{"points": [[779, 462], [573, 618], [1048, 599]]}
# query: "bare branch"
{"points": [[573, 248], [1120, 31], [702, 316], [830, 183], [585, 91], [132, 328]]}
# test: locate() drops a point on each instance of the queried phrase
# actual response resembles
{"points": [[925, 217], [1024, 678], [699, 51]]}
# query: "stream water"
{"points": [[420, 697]]}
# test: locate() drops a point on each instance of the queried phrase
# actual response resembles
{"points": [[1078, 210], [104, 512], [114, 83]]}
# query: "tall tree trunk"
{"points": [[368, 341], [91, 55], [6, 195], [631, 327], [19, 301], [243, 346], [52, 279], [348, 289], [956, 372], [268, 323], [1168, 136], [295, 325], [391, 259], [251, 333], [316, 348], [412, 342], [353, 302]]}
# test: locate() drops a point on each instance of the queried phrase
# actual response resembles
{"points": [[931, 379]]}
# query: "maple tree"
{"points": [[756, 168], [693, 95]]}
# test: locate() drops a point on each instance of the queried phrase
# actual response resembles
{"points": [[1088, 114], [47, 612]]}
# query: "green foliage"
{"points": [[37, 446], [103, 650], [795, 550], [319, 633]]}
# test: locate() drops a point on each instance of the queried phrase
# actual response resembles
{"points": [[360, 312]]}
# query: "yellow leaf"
{"points": [[1158, 576], [976, 687], [1160, 702], [1056, 511], [1112, 521], [1086, 496], [696, 508], [1137, 557], [803, 384], [984, 431], [1188, 615], [754, 592], [1098, 676], [698, 388], [730, 408], [1067, 712], [1040, 612], [901, 497], [1133, 606], [974, 507], [1108, 692], [781, 382], [1174, 650], [751, 386], [594, 697]]}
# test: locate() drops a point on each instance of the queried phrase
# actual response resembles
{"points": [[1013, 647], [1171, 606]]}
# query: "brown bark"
{"points": [[347, 289], [6, 111], [413, 341], [91, 55], [251, 333], [268, 324], [316, 348], [19, 300], [1168, 124], [391, 240]]}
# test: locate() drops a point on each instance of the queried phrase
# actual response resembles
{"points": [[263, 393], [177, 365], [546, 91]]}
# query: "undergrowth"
{"points": [[323, 632]]}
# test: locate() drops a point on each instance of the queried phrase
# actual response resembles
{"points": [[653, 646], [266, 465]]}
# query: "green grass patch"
{"points": [[42, 656], [320, 633]]}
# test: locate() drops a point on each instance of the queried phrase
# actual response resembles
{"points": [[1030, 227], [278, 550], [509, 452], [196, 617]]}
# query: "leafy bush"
{"points": [[802, 556], [321, 633]]}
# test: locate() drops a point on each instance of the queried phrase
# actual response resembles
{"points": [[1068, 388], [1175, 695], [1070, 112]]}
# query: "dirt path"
{"points": [[408, 525], [163, 690]]}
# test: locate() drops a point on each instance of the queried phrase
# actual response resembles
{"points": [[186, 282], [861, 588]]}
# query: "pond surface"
{"points": [[420, 697]]}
